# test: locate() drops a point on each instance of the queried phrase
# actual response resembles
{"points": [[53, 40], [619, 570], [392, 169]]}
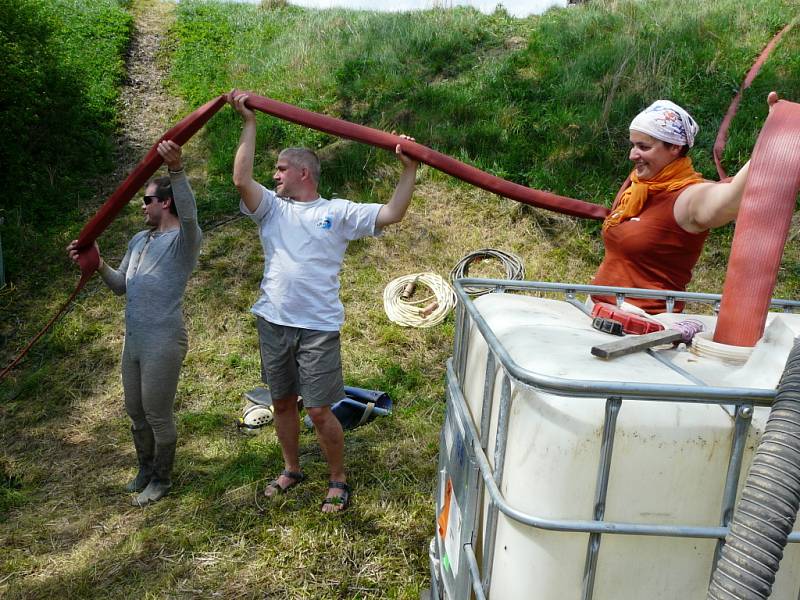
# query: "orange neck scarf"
{"points": [[677, 174]]}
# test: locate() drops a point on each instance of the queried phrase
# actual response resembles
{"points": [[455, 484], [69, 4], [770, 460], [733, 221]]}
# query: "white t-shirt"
{"points": [[304, 245]]}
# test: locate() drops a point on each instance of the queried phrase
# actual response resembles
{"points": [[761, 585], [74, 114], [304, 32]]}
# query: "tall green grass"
{"points": [[62, 64], [545, 101]]}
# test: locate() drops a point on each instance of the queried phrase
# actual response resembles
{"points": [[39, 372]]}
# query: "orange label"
{"points": [[445, 514]]}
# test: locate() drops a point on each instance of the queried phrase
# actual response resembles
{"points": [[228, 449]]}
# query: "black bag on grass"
{"points": [[359, 406]]}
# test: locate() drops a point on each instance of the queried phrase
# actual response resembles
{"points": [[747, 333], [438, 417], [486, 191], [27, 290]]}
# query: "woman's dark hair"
{"points": [[684, 148]]}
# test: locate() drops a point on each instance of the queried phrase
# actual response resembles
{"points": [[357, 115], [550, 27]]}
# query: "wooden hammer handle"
{"points": [[634, 343]]}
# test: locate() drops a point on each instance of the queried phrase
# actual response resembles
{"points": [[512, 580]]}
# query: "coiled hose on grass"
{"points": [[767, 509], [511, 262]]}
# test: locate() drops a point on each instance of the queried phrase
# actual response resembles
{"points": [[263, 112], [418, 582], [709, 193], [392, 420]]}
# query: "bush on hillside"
{"points": [[61, 68]]}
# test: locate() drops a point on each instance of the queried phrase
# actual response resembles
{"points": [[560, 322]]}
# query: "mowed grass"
{"points": [[544, 101]]}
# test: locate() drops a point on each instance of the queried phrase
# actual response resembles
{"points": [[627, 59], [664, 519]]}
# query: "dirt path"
{"points": [[146, 108]]}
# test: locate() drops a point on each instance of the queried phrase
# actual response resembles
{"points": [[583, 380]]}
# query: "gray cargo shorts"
{"points": [[304, 362]]}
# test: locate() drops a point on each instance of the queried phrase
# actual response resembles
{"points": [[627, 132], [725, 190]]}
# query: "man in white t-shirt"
{"points": [[298, 311]]}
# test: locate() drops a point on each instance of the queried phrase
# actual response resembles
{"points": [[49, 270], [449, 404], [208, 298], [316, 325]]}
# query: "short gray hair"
{"points": [[303, 158]]}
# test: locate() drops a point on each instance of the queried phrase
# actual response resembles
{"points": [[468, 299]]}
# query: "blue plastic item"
{"points": [[358, 407]]}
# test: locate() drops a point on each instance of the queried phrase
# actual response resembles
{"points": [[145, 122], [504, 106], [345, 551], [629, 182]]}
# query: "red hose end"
{"points": [[89, 261]]}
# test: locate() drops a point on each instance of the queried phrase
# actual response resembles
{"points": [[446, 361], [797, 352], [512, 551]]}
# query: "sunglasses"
{"points": [[148, 199]]}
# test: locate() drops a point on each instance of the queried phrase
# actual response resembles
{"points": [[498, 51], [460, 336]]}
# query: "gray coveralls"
{"points": [[153, 275]]}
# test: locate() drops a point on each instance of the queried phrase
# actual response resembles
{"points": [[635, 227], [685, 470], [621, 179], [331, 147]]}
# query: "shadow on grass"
{"points": [[215, 530]]}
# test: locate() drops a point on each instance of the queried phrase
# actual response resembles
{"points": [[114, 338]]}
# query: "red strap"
{"points": [[451, 166], [762, 226]]}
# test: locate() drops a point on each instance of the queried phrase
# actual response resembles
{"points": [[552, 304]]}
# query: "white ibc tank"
{"points": [[669, 459]]}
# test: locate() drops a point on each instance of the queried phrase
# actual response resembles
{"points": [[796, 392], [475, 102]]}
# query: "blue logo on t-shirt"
{"points": [[325, 223]]}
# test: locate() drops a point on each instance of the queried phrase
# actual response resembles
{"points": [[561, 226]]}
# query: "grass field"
{"points": [[544, 101]]}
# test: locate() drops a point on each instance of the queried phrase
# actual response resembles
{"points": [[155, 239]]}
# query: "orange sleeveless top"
{"points": [[650, 251]]}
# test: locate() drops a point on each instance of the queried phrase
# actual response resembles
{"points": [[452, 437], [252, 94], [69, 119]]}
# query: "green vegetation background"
{"points": [[544, 101]]}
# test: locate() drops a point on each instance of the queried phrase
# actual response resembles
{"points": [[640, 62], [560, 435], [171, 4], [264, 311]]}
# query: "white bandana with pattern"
{"points": [[668, 122]]}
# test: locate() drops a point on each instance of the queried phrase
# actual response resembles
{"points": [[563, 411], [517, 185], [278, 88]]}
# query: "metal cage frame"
{"points": [[467, 464]]}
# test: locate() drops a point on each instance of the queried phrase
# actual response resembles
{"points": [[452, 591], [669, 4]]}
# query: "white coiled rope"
{"points": [[511, 262], [415, 310]]}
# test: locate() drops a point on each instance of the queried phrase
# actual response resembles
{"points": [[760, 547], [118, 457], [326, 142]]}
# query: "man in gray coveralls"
{"points": [[153, 275]]}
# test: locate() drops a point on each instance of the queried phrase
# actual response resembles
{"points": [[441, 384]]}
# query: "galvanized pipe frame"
{"points": [[495, 350], [568, 525], [588, 388], [488, 394], [461, 339], [486, 414], [501, 441], [741, 425], [570, 289], [467, 313], [475, 575], [481, 584], [613, 406]]}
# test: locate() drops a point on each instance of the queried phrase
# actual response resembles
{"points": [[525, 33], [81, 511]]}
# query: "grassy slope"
{"points": [[545, 101]]}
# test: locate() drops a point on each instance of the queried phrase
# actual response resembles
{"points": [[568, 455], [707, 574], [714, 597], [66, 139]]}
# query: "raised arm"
{"points": [[394, 210], [249, 189], [707, 205], [182, 194]]}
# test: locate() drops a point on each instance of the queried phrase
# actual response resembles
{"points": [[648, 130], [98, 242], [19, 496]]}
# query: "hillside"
{"points": [[543, 101]]}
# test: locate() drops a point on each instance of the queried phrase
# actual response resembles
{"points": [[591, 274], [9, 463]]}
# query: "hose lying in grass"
{"points": [[403, 309], [511, 262]]}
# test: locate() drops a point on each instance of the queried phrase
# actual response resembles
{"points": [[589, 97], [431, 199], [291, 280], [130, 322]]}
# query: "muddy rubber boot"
{"points": [[162, 472], [145, 445]]}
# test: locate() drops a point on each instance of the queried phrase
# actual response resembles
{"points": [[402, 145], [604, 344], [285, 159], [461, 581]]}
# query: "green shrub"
{"points": [[62, 64]]}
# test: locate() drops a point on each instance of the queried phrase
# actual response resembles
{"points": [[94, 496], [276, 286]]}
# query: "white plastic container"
{"points": [[669, 460]]}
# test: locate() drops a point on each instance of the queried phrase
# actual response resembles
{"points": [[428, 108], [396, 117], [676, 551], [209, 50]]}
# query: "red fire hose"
{"points": [[451, 166], [722, 134], [762, 227], [187, 127], [88, 259], [180, 134], [749, 283]]}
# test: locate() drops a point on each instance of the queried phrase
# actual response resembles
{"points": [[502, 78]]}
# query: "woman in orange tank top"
{"points": [[661, 216]]}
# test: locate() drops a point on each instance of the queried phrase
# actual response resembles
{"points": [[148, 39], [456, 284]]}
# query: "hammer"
{"points": [[682, 331]]}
